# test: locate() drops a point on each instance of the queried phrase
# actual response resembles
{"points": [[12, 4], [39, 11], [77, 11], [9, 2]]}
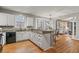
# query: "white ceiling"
{"points": [[45, 11]]}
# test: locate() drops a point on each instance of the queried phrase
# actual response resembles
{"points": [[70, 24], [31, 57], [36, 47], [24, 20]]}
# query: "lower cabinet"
{"points": [[22, 36], [38, 39], [19, 36]]}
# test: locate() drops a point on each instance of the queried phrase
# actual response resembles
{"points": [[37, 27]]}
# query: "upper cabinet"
{"points": [[23, 22], [7, 19], [44, 24], [10, 20], [30, 22], [3, 19], [39, 23]]}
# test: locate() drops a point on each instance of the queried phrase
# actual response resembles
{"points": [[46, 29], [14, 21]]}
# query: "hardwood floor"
{"points": [[50, 50], [64, 44], [21, 47]]}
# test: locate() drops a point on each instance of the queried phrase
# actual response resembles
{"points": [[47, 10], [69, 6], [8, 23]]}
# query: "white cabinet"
{"points": [[19, 36], [38, 39], [43, 42], [7, 19], [43, 24], [10, 20], [22, 36], [3, 19], [30, 21], [38, 23]]}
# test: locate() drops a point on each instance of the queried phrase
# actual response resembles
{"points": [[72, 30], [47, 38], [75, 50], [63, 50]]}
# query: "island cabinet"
{"points": [[40, 40]]}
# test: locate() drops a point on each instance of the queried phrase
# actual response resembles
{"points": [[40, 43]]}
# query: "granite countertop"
{"points": [[20, 30]]}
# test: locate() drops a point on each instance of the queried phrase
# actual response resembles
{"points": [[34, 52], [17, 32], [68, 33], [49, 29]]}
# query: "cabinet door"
{"points": [[22, 36], [39, 23], [3, 19], [25, 35], [29, 21], [10, 20], [40, 40], [19, 36]]}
